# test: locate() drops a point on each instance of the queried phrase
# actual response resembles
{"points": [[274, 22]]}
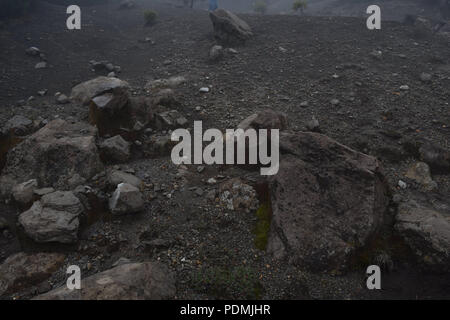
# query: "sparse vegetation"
{"points": [[150, 17], [261, 232], [240, 282], [299, 5], [260, 6]]}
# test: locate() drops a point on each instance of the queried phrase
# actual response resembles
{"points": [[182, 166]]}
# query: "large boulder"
{"points": [[327, 201], [131, 281], [425, 228], [53, 219], [86, 91], [23, 270], [229, 28], [12, 133], [53, 155]]}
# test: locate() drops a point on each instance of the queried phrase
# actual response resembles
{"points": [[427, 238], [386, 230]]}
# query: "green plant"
{"points": [[261, 231], [299, 5], [150, 17], [260, 6], [240, 282]]}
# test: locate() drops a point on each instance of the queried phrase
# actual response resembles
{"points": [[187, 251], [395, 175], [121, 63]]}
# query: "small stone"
{"points": [[204, 90], [425, 77], [404, 87], [117, 177], [313, 124], [41, 65], [334, 102], [42, 92], [200, 169], [377, 54], [23, 193], [115, 149], [420, 172], [304, 104], [62, 99], [33, 51], [199, 192], [215, 53], [402, 184]]}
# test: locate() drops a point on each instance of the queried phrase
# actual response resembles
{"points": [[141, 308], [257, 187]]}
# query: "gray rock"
{"points": [[313, 124], [33, 51], [420, 172], [425, 77], [171, 82], [17, 125], [115, 149], [165, 97], [23, 193], [327, 201], [426, 230], [43, 191], [121, 261], [54, 154], [131, 281], [62, 99], [41, 65], [216, 53], [127, 4], [304, 104], [236, 195], [22, 270], [228, 27], [335, 102], [86, 91], [46, 224], [170, 120], [404, 87], [436, 157], [117, 177], [126, 199], [63, 201]]}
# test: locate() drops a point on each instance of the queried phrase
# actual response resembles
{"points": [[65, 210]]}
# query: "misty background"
{"points": [[391, 9]]}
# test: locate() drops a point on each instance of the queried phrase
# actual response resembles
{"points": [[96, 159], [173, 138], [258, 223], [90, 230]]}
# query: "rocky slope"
{"points": [[86, 175]]}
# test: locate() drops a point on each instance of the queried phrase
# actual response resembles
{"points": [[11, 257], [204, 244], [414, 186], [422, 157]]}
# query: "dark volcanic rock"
{"points": [[425, 228], [132, 281], [24, 270], [86, 91], [327, 199], [436, 157], [53, 155], [53, 219], [228, 27]]}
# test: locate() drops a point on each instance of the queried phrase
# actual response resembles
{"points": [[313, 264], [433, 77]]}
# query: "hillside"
{"points": [[378, 92]]}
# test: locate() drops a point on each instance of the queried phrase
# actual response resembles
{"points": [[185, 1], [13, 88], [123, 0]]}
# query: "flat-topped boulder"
{"points": [[327, 201], [129, 281], [52, 156], [86, 91]]}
